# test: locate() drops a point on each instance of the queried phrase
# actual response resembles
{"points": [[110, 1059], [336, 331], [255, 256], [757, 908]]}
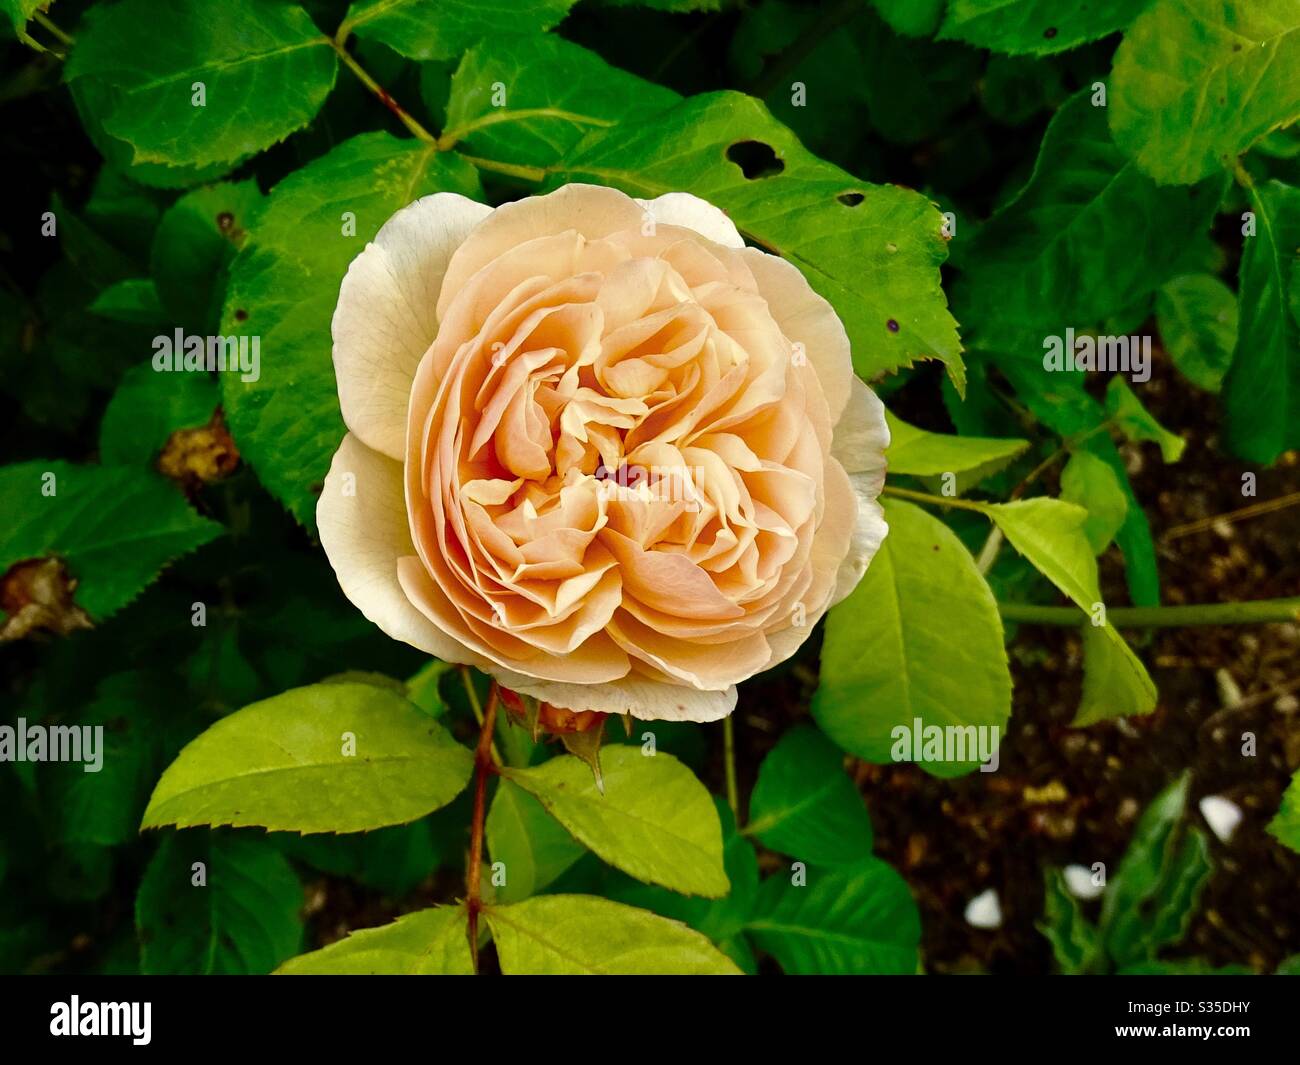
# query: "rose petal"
{"points": [[683, 209], [364, 534], [385, 320], [646, 700], [590, 210], [861, 437], [805, 318]]}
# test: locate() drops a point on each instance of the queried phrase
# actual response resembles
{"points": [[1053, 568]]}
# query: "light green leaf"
{"points": [[243, 919], [1075, 941], [1127, 414], [195, 242], [654, 821], [805, 806], [873, 251], [1197, 317], [928, 604], [1075, 245], [424, 689], [722, 920], [1062, 404], [925, 454], [555, 93], [134, 301], [19, 13], [1196, 82], [431, 942], [531, 844], [143, 60], [1115, 684], [1152, 896], [1036, 27], [325, 758], [443, 29], [283, 287], [148, 407], [115, 527], [857, 920], [1285, 826], [1050, 534], [574, 935], [1261, 394], [1091, 483]]}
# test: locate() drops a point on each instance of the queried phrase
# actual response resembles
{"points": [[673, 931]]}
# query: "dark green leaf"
{"points": [[805, 806], [856, 920], [243, 919]]}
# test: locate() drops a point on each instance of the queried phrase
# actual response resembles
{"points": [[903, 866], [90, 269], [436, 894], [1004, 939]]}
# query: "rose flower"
{"points": [[598, 448]]}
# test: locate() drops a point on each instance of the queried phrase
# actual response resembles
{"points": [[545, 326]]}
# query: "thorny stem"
{"points": [[337, 43], [483, 768], [729, 755], [1160, 617]]}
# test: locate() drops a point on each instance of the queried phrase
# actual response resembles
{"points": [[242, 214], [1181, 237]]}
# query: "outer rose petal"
{"points": [[861, 437], [384, 321], [364, 535], [592, 210], [806, 318], [646, 700], [690, 212]]}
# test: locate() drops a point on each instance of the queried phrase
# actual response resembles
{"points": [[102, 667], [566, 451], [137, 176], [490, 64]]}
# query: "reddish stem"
{"points": [[483, 768]]}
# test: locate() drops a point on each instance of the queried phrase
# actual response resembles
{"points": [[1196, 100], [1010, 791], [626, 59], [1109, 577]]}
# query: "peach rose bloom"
{"points": [[598, 448]]}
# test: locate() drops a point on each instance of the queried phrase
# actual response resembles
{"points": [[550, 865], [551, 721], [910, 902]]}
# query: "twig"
{"points": [[483, 768]]}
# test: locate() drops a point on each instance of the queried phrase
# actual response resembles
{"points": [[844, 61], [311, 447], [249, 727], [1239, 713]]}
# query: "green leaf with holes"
{"points": [[573, 935], [330, 757], [283, 286], [193, 84], [1035, 27], [873, 251], [193, 247], [933, 652], [1196, 82]]}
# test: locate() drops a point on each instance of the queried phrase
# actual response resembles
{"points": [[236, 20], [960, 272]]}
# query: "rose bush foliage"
{"points": [[574, 336]]}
